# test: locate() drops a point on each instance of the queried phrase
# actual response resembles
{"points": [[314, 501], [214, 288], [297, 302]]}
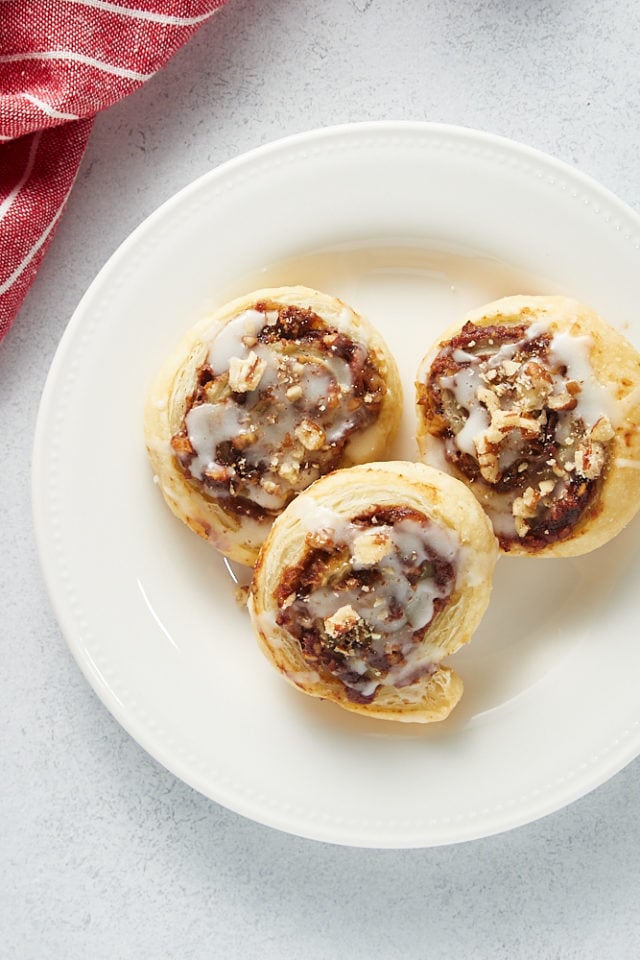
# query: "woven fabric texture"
{"points": [[61, 63]]}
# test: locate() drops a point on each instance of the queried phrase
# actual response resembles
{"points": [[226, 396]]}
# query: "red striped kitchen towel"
{"points": [[62, 61]]}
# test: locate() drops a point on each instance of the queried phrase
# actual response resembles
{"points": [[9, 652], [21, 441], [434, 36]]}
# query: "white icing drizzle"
{"points": [[315, 517], [594, 400], [392, 612], [228, 342], [476, 422], [291, 418], [483, 390]]}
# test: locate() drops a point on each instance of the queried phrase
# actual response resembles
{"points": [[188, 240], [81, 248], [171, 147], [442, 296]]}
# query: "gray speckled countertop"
{"points": [[103, 853]]}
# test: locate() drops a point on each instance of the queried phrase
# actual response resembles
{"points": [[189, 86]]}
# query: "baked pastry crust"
{"points": [[367, 581], [275, 389], [555, 457]]}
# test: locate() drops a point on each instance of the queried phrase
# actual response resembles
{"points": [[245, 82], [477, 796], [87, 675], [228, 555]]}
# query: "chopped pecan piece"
{"points": [[310, 435], [246, 374]]}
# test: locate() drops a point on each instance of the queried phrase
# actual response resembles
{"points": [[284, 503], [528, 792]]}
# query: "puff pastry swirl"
{"points": [[276, 389], [534, 403], [367, 581]]}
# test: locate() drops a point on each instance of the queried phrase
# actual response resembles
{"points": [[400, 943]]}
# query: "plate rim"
{"points": [[622, 750]]}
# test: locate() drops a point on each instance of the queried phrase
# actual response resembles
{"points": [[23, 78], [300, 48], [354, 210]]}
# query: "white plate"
{"points": [[413, 223]]}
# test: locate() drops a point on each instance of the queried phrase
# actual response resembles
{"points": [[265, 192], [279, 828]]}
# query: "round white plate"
{"points": [[413, 223]]}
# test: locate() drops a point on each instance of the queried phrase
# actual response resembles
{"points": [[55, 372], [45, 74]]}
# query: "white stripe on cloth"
{"points": [[22, 266], [48, 109], [143, 14], [31, 159], [80, 58]]}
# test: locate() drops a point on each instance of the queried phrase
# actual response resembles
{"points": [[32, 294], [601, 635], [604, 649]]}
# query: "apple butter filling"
{"points": [[276, 401], [521, 416], [361, 600]]}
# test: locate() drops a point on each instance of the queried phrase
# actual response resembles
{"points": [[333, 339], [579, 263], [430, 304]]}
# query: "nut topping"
{"points": [[515, 418], [589, 460], [310, 435], [602, 431], [342, 621], [370, 546], [245, 375]]}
